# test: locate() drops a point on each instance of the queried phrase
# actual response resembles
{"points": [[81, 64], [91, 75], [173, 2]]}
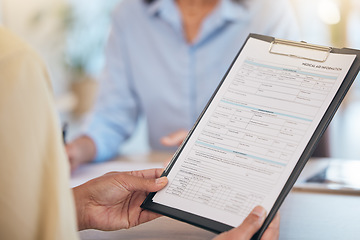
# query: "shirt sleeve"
{"points": [[116, 110]]}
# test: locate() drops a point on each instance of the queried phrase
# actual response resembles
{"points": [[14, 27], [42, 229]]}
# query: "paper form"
{"points": [[253, 133]]}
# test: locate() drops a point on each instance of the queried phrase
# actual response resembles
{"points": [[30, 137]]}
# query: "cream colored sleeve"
{"points": [[35, 200]]}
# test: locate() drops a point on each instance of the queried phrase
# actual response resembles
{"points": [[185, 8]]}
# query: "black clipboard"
{"points": [[219, 227]]}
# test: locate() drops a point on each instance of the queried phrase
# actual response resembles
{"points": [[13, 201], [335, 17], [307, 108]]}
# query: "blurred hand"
{"points": [[175, 138], [112, 201], [80, 151], [251, 225]]}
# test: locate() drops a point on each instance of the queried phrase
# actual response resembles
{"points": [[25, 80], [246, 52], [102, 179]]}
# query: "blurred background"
{"points": [[70, 36]]}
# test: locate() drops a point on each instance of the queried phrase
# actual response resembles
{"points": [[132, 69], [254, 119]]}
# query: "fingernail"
{"points": [[260, 212], [161, 180]]}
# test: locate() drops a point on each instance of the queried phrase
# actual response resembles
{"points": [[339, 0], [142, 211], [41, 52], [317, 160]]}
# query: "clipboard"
{"points": [[313, 56]]}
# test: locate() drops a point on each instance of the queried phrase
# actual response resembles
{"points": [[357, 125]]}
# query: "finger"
{"points": [[174, 139], [70, 155], [147, 173], [112, 173], [134, 183], [249, 226], [275, 223], [253, 221], [272, 231], [69, 151]]}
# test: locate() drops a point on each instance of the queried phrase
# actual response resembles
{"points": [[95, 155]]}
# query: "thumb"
{"points": [[253, 222], [249, 226], [134, 183], [174, 139]]}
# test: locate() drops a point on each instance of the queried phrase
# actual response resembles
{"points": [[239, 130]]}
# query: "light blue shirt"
{"points": [[151, 69]]}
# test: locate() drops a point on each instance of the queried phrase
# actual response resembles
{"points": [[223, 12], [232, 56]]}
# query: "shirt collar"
{"points": [[160, 7], [167, 10]]}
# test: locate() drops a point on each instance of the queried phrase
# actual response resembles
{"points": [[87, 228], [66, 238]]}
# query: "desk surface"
{"points": [[304, 214]]}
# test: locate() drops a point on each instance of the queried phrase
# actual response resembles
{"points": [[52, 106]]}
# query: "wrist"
{"points": [[79, 199]]}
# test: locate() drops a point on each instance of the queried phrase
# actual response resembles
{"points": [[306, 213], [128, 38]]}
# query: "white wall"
{"points": [[17, 15], [1, 2]]}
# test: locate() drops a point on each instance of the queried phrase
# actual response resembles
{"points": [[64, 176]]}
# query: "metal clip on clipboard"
{"points": [[300, 50]]}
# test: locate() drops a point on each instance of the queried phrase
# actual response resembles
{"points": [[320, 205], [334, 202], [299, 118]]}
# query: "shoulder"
{"points": [[19, 63], [11, 46]]}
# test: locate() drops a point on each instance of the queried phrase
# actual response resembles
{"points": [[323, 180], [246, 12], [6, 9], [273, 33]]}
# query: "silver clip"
{"points": [[324, 49]]}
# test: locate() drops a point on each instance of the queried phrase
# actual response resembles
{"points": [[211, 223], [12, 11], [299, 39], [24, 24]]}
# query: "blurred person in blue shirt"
{"points": [[164, 59]]}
